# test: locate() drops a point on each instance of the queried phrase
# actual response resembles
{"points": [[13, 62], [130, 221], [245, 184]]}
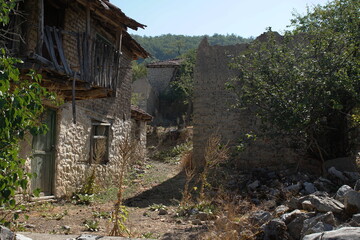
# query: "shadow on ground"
{"points": [[167, 193]]}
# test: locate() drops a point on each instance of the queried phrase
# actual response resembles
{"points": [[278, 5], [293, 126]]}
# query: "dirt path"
{"points": [[157, 186]]}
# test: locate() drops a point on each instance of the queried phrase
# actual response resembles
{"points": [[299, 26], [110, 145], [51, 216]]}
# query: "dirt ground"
{"points": [[157, 185]]}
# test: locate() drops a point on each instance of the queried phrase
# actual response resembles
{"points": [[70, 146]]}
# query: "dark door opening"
{"points": [[43, 161]]}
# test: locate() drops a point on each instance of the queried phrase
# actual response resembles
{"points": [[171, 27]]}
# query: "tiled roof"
{"points": [[140, 114]]}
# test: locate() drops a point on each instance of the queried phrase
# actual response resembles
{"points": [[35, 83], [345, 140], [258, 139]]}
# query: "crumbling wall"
{"points": [[213, 113]]}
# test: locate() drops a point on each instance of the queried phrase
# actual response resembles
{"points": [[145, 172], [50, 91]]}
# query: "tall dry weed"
{"points": [[188, 168], [127, 150], [215, 154]]}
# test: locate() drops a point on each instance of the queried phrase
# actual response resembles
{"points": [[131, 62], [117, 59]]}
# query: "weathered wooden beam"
{"points": [[88, 94], [41, 59], [50, 47], [64, 85], [119, 41]]}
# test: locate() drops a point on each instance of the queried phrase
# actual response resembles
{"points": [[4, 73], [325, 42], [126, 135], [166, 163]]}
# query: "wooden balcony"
{"points": [[96, 73]]}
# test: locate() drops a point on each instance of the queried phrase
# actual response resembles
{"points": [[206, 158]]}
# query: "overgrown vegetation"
{"points": [[20, 108], [305, 86], [174, 154], [197, 184]]}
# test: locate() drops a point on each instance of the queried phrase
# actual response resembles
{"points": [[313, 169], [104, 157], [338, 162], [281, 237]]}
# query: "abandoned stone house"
{"points": [[83, 51], [213, 113], [153, 92]]}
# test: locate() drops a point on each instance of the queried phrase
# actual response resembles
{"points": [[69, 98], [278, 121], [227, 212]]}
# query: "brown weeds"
{"points": [[215, 154], [127, 151]]}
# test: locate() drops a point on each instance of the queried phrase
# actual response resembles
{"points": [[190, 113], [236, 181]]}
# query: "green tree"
{"points": [[138, 70], [184, 84], [170, 46], [306, 84], [20, 110]]}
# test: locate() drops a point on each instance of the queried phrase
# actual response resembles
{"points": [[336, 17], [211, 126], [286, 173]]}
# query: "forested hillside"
{"points": [[171, 46]]}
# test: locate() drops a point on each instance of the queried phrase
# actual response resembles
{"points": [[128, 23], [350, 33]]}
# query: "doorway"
{"points": [[43, 161]]}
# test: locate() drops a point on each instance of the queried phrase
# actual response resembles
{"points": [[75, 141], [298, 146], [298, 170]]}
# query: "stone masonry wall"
{"points": [[213, 113], [73, 143], [159, 78]]}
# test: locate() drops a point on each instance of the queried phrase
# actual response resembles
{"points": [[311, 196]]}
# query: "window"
{"points": [[99, 142]]}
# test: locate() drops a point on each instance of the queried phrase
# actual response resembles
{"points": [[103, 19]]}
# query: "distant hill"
{"points": [[171, 46]]}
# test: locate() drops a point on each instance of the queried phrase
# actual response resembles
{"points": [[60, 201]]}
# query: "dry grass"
{"points": [[234, 221], [215, 154]]}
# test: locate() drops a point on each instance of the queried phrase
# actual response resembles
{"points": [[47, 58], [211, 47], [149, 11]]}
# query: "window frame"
{"points": [[93, 139]]}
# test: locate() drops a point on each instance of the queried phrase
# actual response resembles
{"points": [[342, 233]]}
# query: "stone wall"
{"points": [[139, 132], [213, 113], [72, 160], [159, 78]]}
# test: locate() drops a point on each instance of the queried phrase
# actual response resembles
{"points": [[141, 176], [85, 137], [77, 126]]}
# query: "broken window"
{"points": [[100, 133]]}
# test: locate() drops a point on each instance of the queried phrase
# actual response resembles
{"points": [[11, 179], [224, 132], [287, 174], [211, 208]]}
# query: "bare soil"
{"points": [[158, 185]]}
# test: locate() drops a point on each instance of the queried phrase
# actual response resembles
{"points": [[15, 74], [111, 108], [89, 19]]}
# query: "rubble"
{"points": [[306, 206]]}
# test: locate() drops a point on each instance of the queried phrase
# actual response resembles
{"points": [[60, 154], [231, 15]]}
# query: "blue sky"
{"points": [[199, 17]]}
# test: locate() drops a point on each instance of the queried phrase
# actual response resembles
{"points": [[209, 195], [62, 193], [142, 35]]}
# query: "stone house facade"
{"points": [[213, 113], [153, 92], [84, 53], [161, 73]]}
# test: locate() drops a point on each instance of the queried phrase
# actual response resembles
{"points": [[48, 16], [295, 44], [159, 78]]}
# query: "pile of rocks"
{"points": [[312, 208]]}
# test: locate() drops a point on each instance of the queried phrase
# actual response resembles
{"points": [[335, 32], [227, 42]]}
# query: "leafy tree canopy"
{"points": [[306, 84], [138, 70], [170, 46]]}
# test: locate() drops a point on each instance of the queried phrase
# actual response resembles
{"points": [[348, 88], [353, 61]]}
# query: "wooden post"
{"points": [[40, 28], [120, 41]]}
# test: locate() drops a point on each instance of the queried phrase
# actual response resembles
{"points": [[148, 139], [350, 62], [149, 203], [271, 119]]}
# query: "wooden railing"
{"points": [[98, 61]]}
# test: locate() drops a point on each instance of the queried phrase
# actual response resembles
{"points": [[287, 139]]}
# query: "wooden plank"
{"points": [[120, 42], [41, 59], [61, 51], [88, 94], [85, 48], [50, 47], [80, 55], [92, 61], [41, 27]]}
